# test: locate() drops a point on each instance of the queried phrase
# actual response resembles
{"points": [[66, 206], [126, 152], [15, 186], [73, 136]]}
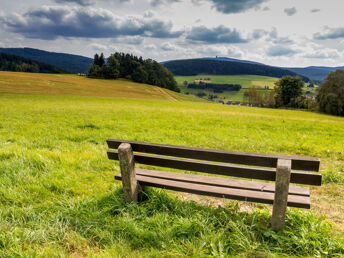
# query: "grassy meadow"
{"points": [[58, 197], [246, 81]]}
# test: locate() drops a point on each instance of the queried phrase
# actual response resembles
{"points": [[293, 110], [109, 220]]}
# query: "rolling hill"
{"points": [[71, 63], [315, 73], [191, 67], [31, 83], [16, 63]]}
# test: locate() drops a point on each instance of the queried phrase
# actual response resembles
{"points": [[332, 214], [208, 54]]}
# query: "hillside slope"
{"points": [[213, 67], [68, 62], [15, 63], [31, 83]]}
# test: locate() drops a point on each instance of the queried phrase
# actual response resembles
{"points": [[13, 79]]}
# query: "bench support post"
{"points": [[127, 164], [281, 194]]}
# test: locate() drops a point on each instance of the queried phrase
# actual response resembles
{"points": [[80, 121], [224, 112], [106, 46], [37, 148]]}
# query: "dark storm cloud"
{"points": [[280, 51], [290, 11], [223, 6], [160, 2], [330, 33], [85, 2], [79, 2], [53, 22], [220, 34], [236, 6]]}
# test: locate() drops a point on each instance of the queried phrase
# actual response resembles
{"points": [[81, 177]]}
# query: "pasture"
{"points": [[246, 81], [58, 196]]}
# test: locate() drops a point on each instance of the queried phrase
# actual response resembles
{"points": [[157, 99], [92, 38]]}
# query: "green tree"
{"points": [[288, 91], [113, 67], [139, 75], [330, 95], [94, 71]]}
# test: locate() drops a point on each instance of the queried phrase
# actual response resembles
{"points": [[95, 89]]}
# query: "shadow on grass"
{"points": [[161, 222]]}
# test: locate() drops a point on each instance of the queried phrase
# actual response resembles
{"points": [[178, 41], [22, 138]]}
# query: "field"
{"points": [[58, 196], [55, 84], [246, 81]]}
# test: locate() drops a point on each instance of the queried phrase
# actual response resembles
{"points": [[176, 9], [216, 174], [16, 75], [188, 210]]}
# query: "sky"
{"points": [[292, 33]]}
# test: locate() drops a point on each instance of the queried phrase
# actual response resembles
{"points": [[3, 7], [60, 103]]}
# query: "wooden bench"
{"points": [[256, 166]]}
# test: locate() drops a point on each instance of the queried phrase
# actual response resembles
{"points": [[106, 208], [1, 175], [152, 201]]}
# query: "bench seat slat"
{"points": [[244, 158], [220, 169], [222, 192], [220, 181]]}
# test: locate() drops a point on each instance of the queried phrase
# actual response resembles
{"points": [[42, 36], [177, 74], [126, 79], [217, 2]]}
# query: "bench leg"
{"points": [[127, 164], [281, 194]]}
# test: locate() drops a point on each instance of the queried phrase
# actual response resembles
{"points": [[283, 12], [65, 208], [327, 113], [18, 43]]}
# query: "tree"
{"points": [[112, 67], [330, 95], [185, 83], [101, 60], [96, 59], [139, 75], [94, 71], [121, 65], [288, 91]]}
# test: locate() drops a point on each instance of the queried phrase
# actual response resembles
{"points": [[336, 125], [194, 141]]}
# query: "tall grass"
{"points": [[58, 196]]}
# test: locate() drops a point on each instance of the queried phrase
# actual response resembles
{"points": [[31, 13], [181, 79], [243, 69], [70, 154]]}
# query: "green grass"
{"points": [[246, 81], [58, 196]]}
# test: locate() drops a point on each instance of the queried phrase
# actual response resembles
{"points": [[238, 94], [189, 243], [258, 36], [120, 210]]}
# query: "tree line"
{"points": [[128, 66], [217, 88], [193, 67], [15, 63], [289, 93]]}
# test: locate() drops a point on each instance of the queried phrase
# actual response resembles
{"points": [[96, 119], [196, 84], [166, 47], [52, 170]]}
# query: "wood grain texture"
{"points": [[281, 194], [244, 158], [222, 182], [221, 169], [127, 164], [222, 192]]}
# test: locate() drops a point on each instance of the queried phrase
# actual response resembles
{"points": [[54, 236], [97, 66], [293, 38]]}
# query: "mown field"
{"points": [[246, 81], [61, 84], [58, 196]]}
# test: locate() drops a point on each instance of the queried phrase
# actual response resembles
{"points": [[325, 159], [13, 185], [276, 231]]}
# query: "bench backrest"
{"points": [[170, 152]]}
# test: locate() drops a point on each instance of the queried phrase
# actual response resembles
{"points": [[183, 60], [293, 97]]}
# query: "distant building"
{"points": [[229, 102], [221, 102]]}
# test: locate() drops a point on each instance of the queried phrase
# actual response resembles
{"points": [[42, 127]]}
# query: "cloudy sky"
{"points": [[275, 32]]}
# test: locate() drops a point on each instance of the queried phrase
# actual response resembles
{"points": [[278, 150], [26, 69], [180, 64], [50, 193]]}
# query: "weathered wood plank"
{"points": [[281, 194], [127, 164], [222, 192], [221, 169], [244, 158], [222, 182]]}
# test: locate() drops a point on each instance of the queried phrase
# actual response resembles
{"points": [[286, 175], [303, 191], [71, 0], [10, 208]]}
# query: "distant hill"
{"points": [[315, 73], [214, 67], [218, 58], [16, 63], [71, 63]]}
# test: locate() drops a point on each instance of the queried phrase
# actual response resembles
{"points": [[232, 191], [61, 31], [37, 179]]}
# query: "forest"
{"points": [[213, 67], [217, 88], [128, 66], [20, 64]]}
